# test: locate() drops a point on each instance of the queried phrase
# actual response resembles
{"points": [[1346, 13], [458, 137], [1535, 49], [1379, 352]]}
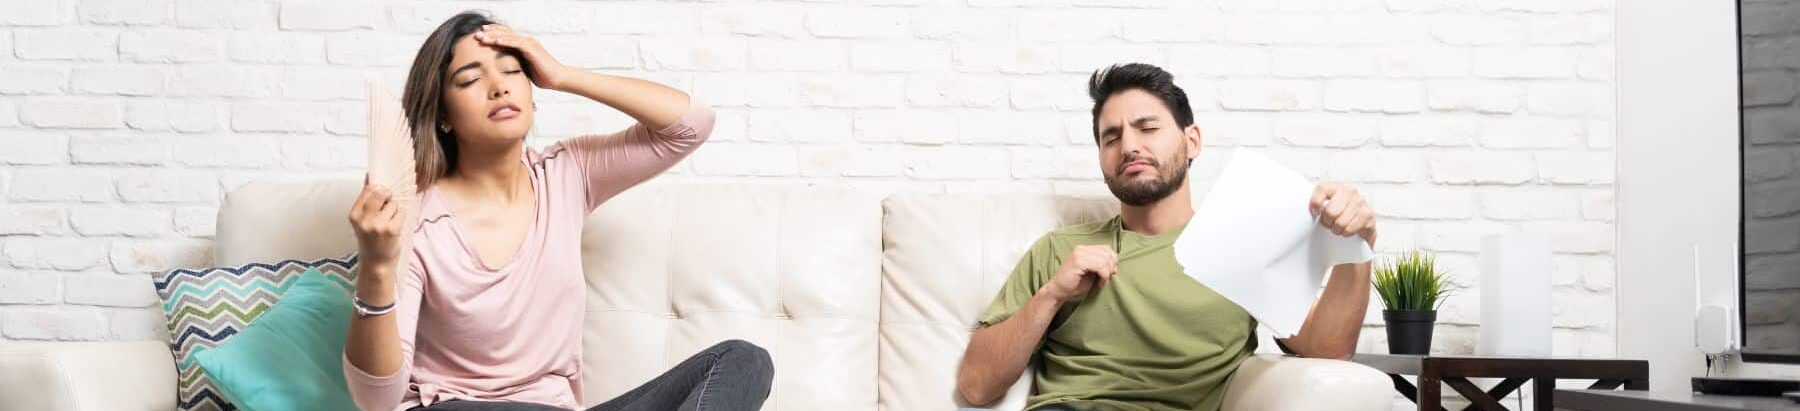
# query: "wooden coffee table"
{"points": [[1591, 400], [1456, 371]]}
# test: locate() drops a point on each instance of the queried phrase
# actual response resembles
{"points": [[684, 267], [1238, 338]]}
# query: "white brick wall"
{"points": [[123, 123]]}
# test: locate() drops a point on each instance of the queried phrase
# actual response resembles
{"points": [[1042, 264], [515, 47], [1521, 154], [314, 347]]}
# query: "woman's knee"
{"points": [[748, 356], [747, 351]]}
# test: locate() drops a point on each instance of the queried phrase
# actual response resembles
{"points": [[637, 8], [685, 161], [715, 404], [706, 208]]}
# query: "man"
{"points": [[1105, 308]]}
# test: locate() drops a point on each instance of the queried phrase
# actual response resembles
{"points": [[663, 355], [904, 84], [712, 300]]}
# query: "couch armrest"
{"points": [[1277, 382], [132, 375]]}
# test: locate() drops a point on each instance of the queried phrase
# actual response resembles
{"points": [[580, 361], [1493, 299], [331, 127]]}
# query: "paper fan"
{"points": [[391, 156]]}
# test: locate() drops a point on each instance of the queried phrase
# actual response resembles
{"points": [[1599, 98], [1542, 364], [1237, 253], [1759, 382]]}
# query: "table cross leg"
{"points": [[1478, 399]]}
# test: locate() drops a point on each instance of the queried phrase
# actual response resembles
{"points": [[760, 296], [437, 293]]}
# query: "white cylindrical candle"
{"points": [[1515, 295]]}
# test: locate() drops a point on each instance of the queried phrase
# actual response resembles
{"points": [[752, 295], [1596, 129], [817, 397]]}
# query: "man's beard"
{"points": [[1135, 192]]}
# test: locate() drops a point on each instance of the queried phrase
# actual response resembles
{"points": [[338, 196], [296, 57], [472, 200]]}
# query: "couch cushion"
{"points": [[206, 307], [1278, 382], [87, 376], [274, 220], [674, 269], [946, 256], [291, 357]]}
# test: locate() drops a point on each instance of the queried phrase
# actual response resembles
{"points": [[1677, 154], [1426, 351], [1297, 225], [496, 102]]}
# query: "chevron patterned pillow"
{"points": [[205, 307]]}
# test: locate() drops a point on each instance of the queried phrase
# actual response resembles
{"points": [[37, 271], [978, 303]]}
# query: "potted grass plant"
{"points": [[1411, 287]]}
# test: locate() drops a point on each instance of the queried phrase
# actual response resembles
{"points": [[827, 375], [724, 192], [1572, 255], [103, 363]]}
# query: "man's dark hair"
{"points": [[1152, 79]]}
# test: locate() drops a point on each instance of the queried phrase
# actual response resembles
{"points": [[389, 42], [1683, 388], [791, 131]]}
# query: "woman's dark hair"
{"points": [[1151, 79], [434, 149]]}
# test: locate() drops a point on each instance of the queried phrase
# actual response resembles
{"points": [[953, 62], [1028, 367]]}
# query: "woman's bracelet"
{"points": [[365, 310]]}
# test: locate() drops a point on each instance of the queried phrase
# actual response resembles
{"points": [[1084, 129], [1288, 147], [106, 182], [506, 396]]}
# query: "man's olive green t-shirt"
{"points": [[1151, 339]]}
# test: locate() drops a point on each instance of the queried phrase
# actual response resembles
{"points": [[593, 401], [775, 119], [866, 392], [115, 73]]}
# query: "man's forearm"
{"points": [[998, 353], [1335, 323]]}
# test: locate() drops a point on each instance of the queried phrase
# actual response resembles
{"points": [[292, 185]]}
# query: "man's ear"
{"points": [[1194, 140]]}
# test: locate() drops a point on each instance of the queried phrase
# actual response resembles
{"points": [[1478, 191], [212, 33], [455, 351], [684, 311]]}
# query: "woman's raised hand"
{"points": [[546, 71], [377, 221]]}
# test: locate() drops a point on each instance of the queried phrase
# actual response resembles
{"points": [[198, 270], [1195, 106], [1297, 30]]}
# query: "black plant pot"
{"points": [[1409, 331]]}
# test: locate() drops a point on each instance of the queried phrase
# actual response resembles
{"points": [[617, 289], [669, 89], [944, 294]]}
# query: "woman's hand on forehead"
{"points": [[546, 72]]}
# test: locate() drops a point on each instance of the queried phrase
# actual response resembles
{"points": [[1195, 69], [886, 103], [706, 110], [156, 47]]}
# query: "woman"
{"points": [[484, 311]]}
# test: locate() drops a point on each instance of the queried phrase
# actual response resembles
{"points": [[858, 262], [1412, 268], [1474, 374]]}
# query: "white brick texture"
{"points": [[123, 123]]}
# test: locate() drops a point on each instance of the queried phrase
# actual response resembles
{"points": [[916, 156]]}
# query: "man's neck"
{"points": [[492, 172], [1161, 216]]}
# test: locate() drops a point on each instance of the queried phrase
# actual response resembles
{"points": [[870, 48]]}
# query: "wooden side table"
{"points": [[1456, 371]]}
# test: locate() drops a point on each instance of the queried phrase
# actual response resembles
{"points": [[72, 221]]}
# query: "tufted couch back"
{"points": [[864, 303]]}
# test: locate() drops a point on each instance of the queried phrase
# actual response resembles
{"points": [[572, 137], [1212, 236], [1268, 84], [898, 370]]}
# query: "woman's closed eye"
{"points": [[509, 65], [472, 79]]}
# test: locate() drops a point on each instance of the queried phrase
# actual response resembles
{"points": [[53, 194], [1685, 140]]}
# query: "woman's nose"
{"points": [[500, 91]]}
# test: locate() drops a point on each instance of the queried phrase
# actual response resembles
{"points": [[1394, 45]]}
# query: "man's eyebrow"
{"points": [[1109, 130], [1140, 121]]}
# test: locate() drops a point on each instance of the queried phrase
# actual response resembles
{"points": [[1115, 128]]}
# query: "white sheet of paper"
{"points": [[1254, 241]]}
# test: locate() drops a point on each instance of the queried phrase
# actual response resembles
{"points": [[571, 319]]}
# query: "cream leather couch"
{"points": [[865, 303]]}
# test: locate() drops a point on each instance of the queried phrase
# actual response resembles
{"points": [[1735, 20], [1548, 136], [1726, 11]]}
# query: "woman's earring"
{"points": [[445, 127]]}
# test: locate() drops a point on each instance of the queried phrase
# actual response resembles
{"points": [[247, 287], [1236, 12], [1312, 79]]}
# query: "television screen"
{"points": [[1769, 65]]}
